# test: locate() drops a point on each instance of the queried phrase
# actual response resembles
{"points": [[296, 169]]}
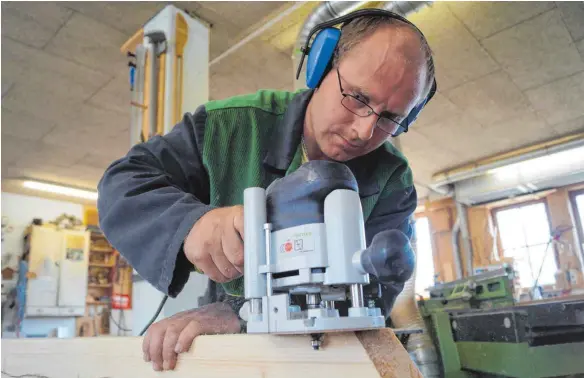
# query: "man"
{"points": [[173, 204]]}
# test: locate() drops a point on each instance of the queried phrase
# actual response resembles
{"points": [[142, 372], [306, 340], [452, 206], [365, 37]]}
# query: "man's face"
{"points": [[387, 71]]}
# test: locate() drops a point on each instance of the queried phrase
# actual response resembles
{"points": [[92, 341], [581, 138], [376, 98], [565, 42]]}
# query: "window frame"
{"points": [[495, 210], [576, 219]]}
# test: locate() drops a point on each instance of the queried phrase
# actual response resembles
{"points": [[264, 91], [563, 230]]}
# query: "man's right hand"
{"points": [[215, 244]]}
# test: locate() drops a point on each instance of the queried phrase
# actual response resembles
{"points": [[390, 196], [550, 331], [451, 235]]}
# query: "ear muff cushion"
{"points": [[320, 55], [418, 108]]}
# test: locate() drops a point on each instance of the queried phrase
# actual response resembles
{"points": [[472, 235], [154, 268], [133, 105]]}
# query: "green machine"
{"points": [[479, 330]]}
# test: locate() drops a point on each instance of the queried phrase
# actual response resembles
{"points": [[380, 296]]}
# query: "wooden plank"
{"points": [[219, 356], [387, 354], [135, 40]]}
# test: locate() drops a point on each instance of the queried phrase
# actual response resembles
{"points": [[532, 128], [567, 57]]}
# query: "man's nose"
{"points": [[364, 127]]}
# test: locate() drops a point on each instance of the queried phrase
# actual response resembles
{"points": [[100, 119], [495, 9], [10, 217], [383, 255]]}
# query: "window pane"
{"points": [[580, 207], [510, 228], [536, 222], [523, 266], [424, 257], [548, 268], [525, 233]]}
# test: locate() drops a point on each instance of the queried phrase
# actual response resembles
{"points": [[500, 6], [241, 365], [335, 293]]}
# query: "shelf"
{"points": [[97, 303], [99, 285], [102, 250], [101, 265]]}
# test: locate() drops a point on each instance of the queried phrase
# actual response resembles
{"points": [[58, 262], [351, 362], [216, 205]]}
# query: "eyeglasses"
{"points": [[361, 109]]}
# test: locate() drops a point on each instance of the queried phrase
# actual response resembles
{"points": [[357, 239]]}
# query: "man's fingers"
{"points": [[146, 346], [169, 345], [207, 266], [238, 221], [155, 348], [233, 248], [186, 337], [224, 266]]}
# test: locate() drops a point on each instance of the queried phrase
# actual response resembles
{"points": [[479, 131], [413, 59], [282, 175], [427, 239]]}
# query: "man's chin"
{"points": [[338, 154]]}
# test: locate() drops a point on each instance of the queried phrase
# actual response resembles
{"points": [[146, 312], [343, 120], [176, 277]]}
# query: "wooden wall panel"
{"points": [[560, 217], [480, 234]]}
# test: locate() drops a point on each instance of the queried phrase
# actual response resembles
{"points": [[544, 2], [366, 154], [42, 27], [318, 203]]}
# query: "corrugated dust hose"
{"points": [[405, 314]]}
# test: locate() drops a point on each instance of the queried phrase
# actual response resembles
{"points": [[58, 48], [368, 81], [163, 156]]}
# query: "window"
{"points": [[525, 236], [424, 257]]}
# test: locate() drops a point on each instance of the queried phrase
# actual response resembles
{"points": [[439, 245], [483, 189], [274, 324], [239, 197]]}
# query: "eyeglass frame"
{"points": [[396, 133]]}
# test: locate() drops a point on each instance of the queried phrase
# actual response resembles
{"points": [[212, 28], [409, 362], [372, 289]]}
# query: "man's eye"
{"points": [[359, 100], [360, 97]]}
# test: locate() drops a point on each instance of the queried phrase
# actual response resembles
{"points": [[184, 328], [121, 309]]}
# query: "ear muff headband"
{"points": [[321, 52]]}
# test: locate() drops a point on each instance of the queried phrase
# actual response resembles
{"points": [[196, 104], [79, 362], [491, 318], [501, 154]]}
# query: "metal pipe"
{"points": [[268, 231], [312, 300], [482, 166], [255, 306], [404, 8], [254, 242], [256, 33], [139, 88], [153, 95], [357, 299], [466, 242], [456, 249]]}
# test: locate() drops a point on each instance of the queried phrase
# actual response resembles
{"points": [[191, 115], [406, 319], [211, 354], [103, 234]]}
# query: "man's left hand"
{"points": [[171, 336]]}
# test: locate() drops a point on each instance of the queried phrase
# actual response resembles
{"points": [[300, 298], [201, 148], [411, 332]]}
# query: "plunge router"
{"points": [[305, 236]]}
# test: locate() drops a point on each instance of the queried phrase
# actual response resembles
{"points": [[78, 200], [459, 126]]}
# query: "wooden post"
{"points": [[364, 354]]}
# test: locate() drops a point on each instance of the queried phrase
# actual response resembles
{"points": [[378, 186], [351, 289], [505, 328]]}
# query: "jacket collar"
{"points": [[286, 137]]}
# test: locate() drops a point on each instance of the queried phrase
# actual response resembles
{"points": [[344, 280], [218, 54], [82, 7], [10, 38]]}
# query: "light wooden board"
{"points": [[220, 356]]}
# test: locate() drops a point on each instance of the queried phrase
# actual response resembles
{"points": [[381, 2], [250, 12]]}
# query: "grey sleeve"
{"points": [[394, 211], [150, 199]]}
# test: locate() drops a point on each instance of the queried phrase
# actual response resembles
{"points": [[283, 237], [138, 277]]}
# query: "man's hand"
{"points": [[215, 244], [171, 336]]}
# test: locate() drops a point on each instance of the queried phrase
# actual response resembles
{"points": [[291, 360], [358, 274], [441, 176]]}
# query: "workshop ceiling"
{"points": [[509, 73]]}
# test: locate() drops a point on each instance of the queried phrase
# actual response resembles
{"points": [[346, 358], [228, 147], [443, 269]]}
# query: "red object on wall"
{"points": [[121, 302]]}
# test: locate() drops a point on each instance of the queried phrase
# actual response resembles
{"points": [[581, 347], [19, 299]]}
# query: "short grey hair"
{"points": [[362, 27]]}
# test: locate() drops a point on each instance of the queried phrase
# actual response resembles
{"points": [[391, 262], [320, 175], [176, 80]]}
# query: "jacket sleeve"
{"points": [[393, 211], [149, 200]]}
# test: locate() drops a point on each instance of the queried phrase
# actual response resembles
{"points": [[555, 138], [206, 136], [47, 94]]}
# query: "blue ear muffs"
{"points": [[320, 56], [415, 112]]}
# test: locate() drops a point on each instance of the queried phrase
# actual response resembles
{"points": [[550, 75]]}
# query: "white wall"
{"points": [[20, 211], [146, 299]]}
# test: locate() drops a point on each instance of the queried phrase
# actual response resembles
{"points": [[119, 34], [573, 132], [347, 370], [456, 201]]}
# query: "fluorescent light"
{"points": [[562, 161], [72, 192]]}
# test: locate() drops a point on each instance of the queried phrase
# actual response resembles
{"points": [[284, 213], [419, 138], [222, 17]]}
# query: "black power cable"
{"points": [[118, 324], [160, 306]]}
